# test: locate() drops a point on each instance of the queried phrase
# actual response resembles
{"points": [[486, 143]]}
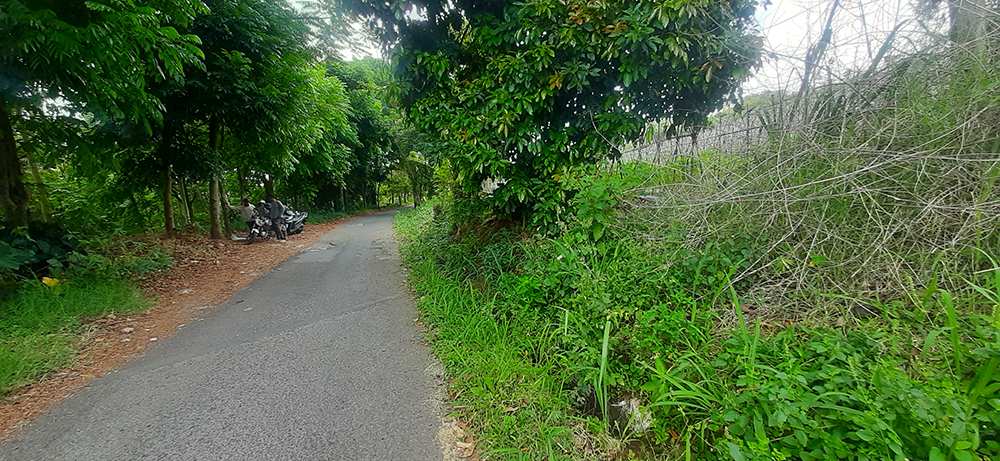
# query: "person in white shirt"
{"points": [[246, 211]]}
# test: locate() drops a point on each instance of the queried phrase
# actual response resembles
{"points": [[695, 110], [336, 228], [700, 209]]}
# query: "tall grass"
{"points": [[506, 374], [531, 328], [40, 325]]}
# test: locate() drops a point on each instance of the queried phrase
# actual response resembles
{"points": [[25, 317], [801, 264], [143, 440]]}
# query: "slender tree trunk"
{"points": [[225, 209], [243, 183], [342, 205], [222, 189], [14, 196], [214, 207], [268, 185], [186, 203], [43, 194], [168, 206]]}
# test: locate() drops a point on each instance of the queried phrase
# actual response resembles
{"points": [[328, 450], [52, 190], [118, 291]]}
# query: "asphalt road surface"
{"points": [[317, 359]]}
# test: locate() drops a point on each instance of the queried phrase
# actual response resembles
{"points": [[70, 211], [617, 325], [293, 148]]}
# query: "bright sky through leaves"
{"points": [[860, 28]]}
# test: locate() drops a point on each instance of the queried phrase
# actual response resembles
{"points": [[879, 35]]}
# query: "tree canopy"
{"points": [[532, 88], [98, 55], [167, 100]]}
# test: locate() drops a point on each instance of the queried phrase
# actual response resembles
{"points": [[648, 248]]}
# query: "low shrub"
{"points": [[614, 318]]}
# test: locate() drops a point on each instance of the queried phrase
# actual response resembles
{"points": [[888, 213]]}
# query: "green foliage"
{"points": [[30, 253], [366, 138], [708, 267], [630, 317], [60, 284], [50, 46], [505, 369], [531, 89], [35, 250], [39, 325], [820, 394], [92, 55]]}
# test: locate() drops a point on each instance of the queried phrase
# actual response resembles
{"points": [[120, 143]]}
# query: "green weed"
{"points": [[40, 324], [545, 323]]}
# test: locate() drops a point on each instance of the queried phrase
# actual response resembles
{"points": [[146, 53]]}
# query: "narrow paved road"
{"points": [[317, 359]]}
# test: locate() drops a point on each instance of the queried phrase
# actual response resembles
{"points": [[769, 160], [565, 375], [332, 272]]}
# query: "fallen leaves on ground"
{"points": [[205, 273]]}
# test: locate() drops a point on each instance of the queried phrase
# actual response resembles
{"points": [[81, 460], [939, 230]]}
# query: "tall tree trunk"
{"points": [[43, 194], [268, 185], [225, 209], [243, 183], [186, 203], [168, 205], [222, 189], [13, 195], [215, 208], [213, 189]]}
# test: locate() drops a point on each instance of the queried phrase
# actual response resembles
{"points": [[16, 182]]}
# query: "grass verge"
{"points": [[571, 348], [40, 326], [505, 371]]}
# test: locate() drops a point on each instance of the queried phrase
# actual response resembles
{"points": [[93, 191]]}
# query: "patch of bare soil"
{"points": [[205, 273]]}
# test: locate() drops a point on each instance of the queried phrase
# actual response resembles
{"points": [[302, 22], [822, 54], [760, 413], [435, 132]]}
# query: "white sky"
{"points": [[790, 27], [860, 27]]}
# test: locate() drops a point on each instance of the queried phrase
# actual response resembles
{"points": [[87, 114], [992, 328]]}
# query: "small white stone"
{"points": [[153, 339], [128, 330]]}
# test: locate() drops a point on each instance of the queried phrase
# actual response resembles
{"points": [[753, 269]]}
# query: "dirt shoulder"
{"points": [[205, 274]]}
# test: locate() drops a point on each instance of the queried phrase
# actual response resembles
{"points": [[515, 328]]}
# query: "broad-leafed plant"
{"points": [[533, 88]]}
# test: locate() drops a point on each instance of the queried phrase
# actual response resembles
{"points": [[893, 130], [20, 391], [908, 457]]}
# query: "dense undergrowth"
{"points": [[533, 328], [40, 326], [830, 290]]}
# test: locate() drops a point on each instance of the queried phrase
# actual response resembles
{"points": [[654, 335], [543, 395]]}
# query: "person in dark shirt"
{"points": [[276, 211]]}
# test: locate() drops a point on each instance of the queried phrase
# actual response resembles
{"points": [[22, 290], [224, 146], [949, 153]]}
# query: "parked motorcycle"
{"points": [[261, 231], [293, 222]]}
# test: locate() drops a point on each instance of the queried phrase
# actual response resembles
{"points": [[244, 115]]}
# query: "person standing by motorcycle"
{"points": [[276, 211], [246, 211]]}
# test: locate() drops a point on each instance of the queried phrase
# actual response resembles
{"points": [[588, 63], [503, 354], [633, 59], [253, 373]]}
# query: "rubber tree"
{"points": [[236, 40], [261, 85], [303, 140], [372, 150], [94, 53]]}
